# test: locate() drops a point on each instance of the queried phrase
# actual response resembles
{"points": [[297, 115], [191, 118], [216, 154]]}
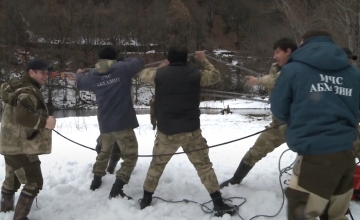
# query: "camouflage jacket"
{"points": [[24, 118], [209, 75], [268, 81]]}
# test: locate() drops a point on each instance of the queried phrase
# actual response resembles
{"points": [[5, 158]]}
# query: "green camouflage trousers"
{"points": [[169, 144], [128, 144], [23, 169], [266, 143]]}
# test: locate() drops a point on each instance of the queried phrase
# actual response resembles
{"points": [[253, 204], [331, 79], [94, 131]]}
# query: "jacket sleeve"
{"points": [[133, 66], [26, 113], [209, 75], [148, 75], [268, 81], [282, 95], [83, 81]]}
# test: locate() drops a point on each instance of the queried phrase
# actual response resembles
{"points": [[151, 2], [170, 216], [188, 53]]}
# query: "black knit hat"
{"points": [[177, 55], [107, 53], [37, 64]]}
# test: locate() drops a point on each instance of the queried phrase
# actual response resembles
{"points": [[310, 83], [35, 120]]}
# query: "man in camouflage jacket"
{"points": [[273, 138], [177, 92], [25, 133]]}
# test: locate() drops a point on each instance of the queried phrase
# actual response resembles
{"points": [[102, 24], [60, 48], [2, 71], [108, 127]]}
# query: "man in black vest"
{"points": [[177, 91]]}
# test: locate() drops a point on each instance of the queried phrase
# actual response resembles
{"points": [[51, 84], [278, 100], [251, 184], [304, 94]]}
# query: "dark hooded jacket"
{"points": [[318, 95]]}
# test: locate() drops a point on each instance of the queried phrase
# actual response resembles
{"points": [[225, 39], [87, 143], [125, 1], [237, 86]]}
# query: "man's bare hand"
{"points": [[70, 76], [251, 80], [50, 122], [200, 55]]}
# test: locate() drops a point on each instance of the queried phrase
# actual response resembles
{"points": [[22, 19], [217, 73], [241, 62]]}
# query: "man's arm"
{"points": [[282, 95], [268, 81], [26, 113], [83, 81], [209, 75], [148, 75], [133, 66]]}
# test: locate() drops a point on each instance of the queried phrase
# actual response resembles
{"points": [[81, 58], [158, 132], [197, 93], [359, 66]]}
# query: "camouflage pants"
{"points": [[318, 181], [115, 152], [128, 144], [23, 169], [169, 144], [266, 143]]}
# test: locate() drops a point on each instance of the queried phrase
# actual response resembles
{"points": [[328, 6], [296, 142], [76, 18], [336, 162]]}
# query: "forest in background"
{"points": [[68, 33]]}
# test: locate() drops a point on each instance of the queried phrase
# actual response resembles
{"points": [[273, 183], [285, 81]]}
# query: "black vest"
{"points": [[177, 99]]}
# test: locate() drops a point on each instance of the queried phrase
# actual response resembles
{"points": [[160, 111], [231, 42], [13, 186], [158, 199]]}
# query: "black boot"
{"points": [[96, 183], [7, 201], [146, 200], [23, 207], [221, 208], [111, 166], [242, 170], [117, 189]]}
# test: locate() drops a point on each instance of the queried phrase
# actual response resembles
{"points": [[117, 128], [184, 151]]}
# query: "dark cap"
{"points": [[107, 53], [349, 53], [37, 64]]}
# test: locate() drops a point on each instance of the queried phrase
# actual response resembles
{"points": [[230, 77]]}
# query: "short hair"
{"points": [[285, 43], [315, 33], [177, 54], [107, 53]]}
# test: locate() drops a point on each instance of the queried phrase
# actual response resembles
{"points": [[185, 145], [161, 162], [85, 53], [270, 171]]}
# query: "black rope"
{"points": [[204, 206], [184, 152]]}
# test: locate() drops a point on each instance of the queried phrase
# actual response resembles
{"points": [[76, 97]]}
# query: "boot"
{"points": [[7, 201], [96, 182], [146, 200], [111, 166], [221, 208], [23, 207], [117, 189], [242, 170]]}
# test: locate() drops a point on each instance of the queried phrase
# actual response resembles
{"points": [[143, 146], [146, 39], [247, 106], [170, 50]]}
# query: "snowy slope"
{"points": [[67, 175]]}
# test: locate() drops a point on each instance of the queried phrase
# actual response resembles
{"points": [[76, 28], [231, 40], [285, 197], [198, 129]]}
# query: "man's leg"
{"points": [[339, 202], [127, 142], [357, 145], [313, 183], [28, 171], [201, 161], [10, 185], [164, 144], [98, 144], [114, 158], [102, 159], [265, 143]]}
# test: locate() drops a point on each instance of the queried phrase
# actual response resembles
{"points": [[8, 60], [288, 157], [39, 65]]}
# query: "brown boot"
{"points": [[23, 207], [7, 201]]}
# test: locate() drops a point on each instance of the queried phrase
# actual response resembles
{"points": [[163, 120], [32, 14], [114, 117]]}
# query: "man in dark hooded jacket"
{"points": [[318, 95], [111, 82]]}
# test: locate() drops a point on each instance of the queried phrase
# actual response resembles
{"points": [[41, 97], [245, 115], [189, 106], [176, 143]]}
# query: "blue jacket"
{"points": [[111, 83], [318, 95]]}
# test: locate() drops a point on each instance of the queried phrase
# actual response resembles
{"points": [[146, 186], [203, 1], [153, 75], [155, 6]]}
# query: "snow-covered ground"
{"points": [[67, 175]]}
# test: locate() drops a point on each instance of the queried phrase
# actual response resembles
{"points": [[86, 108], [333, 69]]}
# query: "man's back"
{"points": [[111, 83], [177, 99], [325, 93]]}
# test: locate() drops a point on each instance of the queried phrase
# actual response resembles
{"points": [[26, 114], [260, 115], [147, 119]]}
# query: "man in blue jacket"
{"points": [[318, 95], [111, 82]]}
